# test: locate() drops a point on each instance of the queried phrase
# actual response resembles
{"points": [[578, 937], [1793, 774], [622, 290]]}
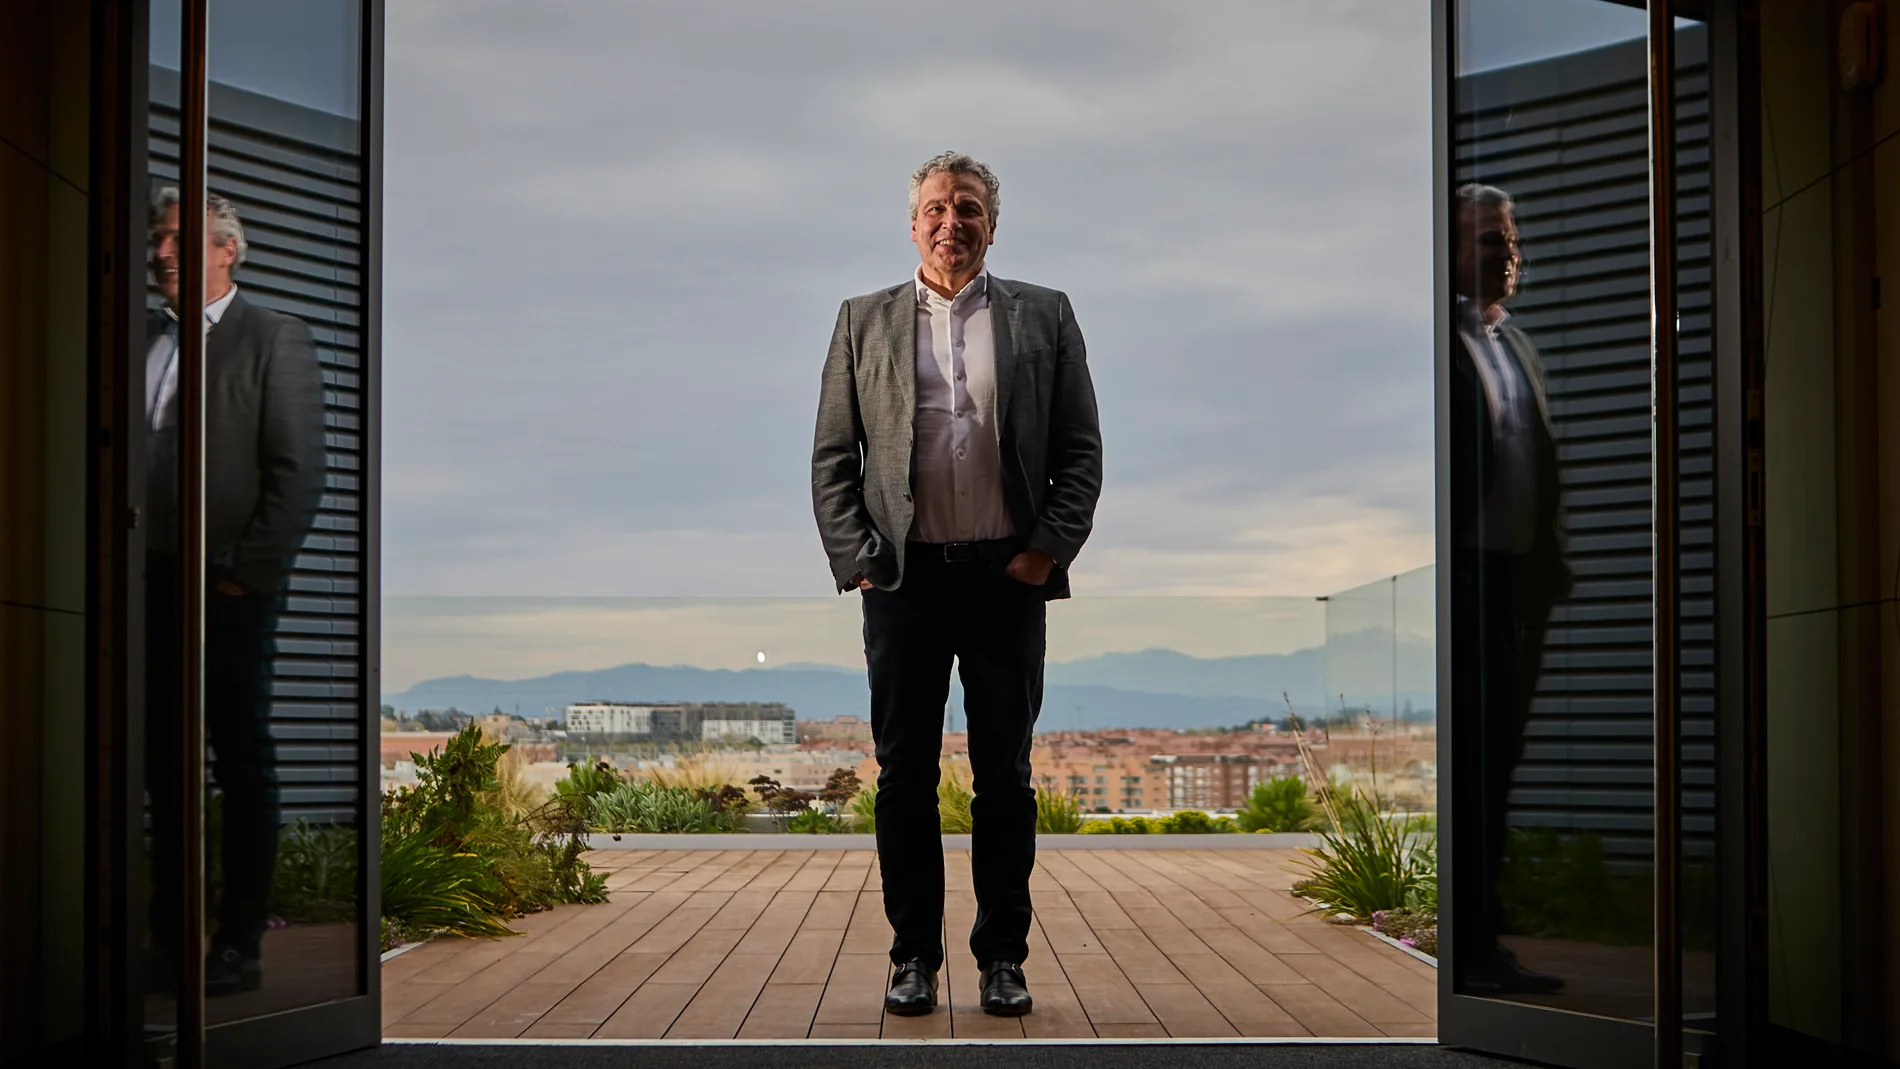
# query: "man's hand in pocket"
{"points": [[1031, 566]]}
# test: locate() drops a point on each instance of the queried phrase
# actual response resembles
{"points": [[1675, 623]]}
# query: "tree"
{"points": [[779, 798], [840, 788]]}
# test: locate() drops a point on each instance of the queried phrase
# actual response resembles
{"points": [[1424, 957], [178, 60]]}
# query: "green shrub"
{"points": [[841, 790], [520, 863], [953, 804], [1058, 812], [589, 780], [428, 889], [1194, 822], [1415, 928], [1561, 886], [1278, 805], [1424, 895], [1122, 826], [1366, 863], [315, 879], [815, 822], [640, 806], [864, 810]]}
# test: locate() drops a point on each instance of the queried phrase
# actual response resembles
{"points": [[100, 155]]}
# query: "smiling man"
{"points": [[1508, 556], [263, 480], [955, 471]]}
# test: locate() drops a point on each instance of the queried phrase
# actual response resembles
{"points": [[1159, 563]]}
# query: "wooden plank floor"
{"points": [[775, 944]]}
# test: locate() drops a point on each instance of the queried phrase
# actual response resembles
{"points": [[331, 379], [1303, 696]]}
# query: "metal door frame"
{"points": [[1567, 1037], [116, 628]]}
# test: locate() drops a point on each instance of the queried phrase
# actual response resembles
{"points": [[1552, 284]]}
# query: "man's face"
{"points": [[1487, 253], [219, 260], [953, 229]]}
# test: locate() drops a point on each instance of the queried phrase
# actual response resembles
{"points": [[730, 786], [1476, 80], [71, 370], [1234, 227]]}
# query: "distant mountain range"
{"points": [[1301, 673], [1150, 688]]}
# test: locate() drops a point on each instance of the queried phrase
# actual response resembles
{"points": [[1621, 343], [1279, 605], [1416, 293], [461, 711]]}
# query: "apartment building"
{"points": [[769, 722]]}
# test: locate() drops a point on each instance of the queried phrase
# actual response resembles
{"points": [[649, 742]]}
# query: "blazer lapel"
{"points": [[1006, 326], [900, 334], [221, 339]]}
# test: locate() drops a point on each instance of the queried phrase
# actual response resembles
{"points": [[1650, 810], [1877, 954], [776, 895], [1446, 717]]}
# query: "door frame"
{"points": [[1566, 1037], [115, 965]]}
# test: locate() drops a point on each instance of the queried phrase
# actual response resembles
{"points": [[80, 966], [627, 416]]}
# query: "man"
{"points": [[955, 470], [1508, 566], [264, 477]]}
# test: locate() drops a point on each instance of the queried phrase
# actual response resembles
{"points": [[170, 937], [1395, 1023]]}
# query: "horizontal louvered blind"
{"points": [[295, 175], [1568, 139]]}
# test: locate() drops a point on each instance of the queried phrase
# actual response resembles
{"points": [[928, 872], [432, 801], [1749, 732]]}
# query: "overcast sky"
{"points": [[616, 237]]}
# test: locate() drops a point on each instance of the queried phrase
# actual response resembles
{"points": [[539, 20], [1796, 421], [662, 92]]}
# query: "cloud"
{"points": [[617, 235]]}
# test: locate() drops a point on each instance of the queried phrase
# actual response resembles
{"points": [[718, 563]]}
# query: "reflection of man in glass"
{"points": [[1508, 565], [263, 478], [955, 472]]}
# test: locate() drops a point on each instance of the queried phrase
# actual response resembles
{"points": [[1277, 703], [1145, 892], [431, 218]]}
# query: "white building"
{"points": [[610, 718], [771, 732]]}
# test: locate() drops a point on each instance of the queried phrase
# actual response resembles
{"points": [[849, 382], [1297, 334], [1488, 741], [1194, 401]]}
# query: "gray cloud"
{"points": [[616, 239]]}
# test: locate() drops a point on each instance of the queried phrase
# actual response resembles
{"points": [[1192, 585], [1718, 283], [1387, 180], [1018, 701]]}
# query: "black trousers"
{"points": [[1501, 612], [238, 649], [994, 628]]}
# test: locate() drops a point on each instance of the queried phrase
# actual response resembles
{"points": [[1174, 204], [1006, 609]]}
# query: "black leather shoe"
{"points": [[913, 989], [1005, 992], [227, 972], [1502, 975]]}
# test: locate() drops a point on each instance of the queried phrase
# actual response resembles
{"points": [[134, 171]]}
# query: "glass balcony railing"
{"points": [[1382, 687], [1150, 704]]}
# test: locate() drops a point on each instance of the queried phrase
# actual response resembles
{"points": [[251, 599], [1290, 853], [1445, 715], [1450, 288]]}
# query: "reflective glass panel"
{"points": [[282, 665], [284, 707], [1550, 501], [1550, 448]]}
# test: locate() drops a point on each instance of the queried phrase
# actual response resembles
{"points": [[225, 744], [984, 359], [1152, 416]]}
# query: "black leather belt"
{"points": [[960, 552]]}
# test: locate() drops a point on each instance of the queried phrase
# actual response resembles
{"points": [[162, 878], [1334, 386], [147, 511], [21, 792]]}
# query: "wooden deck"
{"points": [[723, 944]]}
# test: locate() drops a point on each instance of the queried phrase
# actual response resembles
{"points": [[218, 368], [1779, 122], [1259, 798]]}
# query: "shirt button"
{"points": [[959, 376], [959, 454], [959, 413]]}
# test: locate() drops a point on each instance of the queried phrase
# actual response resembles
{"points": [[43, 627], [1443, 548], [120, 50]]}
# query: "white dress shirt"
{"points": [[161, 364], [959, 491], [1507, 518]]}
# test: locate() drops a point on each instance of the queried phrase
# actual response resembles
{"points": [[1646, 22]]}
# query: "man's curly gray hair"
{"points": [[225, 227], [1479, 195], [956, 163]]}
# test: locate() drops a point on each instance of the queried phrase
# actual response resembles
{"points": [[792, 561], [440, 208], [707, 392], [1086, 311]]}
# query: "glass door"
{"points": [[261, 899], [1575, 555]]}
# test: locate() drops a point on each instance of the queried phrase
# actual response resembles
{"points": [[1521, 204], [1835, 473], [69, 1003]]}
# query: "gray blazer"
{"points": [[1048, 436], [264, 448]]}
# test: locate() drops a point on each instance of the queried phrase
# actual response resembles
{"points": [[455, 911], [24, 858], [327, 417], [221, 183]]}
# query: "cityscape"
{"points": [[1125, 752], [1348, 678], [1139, 771]]}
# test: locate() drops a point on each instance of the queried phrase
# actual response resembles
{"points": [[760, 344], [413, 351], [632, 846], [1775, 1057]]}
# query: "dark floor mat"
{"points": [[915, 1056]]}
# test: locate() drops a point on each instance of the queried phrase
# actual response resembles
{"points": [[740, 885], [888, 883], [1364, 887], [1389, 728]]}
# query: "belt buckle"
{"points": [[959, 552]]}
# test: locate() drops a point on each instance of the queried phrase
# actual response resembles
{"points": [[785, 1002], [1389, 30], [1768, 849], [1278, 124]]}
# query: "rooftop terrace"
{"points": [[776, 944]]}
